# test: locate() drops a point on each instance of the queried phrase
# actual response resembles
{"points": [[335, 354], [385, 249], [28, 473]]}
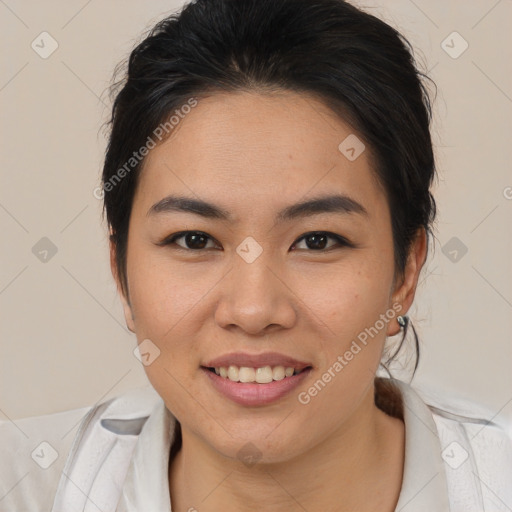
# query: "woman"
{"points": [[267, 189]]}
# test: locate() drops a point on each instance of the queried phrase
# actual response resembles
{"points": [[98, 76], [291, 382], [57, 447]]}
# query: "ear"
{"points": [[406, 289], [128, 314]]}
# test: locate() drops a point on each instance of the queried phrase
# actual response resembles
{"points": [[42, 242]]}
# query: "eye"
{"points": [[317, 240], [193, 240]]}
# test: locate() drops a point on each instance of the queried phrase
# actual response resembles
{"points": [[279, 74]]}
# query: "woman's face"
{"points": [[252, 283]]}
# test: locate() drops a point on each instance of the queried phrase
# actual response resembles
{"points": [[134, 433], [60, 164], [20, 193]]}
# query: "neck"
{"points": [[367, 452]]}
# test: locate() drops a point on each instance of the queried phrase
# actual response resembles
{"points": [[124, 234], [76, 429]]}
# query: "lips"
{"points": [[253, 394], [241, 359], [287, 373]]}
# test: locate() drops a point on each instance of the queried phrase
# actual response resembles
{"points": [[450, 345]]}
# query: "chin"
{"points": [[258, 447]]}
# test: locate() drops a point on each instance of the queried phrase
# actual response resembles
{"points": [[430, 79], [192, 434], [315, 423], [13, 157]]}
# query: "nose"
{"points": [[257, 298]]}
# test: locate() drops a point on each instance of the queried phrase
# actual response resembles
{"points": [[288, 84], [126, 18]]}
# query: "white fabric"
{"points": [[116, 460]]}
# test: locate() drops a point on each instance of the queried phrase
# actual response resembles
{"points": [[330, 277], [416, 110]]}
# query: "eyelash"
{"points": [[342, 242]]}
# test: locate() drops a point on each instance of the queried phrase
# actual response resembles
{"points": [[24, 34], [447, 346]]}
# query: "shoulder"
{"points": [[477, 420], [35, 449], [476, 447], [33, 455]]}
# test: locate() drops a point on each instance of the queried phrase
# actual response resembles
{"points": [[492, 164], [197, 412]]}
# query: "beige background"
{"points": [[64, 343]]}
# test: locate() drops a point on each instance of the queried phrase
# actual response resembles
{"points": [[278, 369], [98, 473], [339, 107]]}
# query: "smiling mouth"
{"points": [[261, 375]]}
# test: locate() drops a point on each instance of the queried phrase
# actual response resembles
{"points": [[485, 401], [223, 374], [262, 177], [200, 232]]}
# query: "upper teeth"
{"points": [[261, 375]]}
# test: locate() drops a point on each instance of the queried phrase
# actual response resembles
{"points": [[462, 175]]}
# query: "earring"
{"points": [[402, 321]]}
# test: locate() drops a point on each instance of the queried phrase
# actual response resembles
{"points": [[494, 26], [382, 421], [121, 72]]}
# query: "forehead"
{"points": [[244, 150]]}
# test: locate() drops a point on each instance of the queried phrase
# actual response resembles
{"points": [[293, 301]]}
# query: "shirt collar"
{"points": [[424, 488], [424, 485], [146, 486]]}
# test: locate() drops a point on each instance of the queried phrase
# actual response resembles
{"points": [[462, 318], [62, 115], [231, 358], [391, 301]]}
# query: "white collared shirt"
{"points": [[113, 457]]}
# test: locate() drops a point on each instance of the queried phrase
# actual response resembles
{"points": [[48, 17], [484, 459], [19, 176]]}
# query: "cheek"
{"points": [[347, 310], [347, 306], [165, 301], [348, 297], [162, 293]]}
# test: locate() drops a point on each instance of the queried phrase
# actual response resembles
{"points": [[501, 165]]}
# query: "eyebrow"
{"points": [[323, 204]]}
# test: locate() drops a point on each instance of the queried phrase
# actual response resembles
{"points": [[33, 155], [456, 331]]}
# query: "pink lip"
{"points": [[254, 394], [256, 361]]}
